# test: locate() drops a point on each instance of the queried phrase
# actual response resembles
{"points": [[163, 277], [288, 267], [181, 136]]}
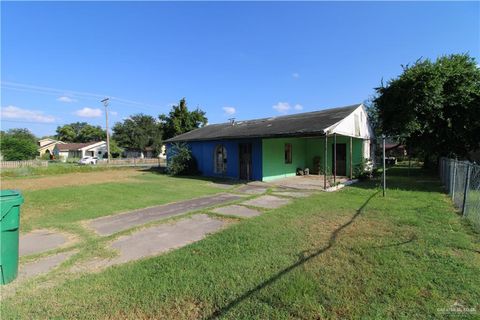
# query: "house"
{"points": [[397, 150], [333, 141], [148, 152], [80, 150], [47, 145]]}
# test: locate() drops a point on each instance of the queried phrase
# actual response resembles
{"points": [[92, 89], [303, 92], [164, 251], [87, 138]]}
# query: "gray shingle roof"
{"points": [[74, 146], [300, 124]]}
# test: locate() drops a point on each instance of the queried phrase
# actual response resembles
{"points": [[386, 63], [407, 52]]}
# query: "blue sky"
{"points": [[243, 60]]}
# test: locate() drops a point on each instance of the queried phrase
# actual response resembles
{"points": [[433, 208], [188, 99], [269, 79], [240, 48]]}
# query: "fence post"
{"points": [[465, 192], [453, 179]]}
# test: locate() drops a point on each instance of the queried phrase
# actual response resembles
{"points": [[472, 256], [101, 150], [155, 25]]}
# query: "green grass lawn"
{"points": [[53, 168], [346, 255], [60, 207]]}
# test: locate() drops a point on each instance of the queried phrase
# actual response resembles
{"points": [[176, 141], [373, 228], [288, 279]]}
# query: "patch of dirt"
{"points": [[71, 179]]}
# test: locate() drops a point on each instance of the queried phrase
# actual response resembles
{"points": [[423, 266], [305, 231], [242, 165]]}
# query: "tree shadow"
{"points": [[302, 260]]}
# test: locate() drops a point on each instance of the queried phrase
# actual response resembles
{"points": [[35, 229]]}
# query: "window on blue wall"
{"points": [[220, 159], [288, 153]]}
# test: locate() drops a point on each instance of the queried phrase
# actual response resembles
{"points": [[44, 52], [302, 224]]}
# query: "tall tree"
{"points": [[18, 144], [435, 106], [80, 132], [181, 120], [138, 132]]}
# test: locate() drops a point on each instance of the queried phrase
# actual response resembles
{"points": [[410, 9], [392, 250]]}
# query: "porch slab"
{"points": [[112, 224], [156, 240], [43, 240], [237, 211], [267, 202]]}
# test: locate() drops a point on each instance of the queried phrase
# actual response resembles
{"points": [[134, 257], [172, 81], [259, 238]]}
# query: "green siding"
{"points": [[315, 147], [304, 150], [273, 152]]}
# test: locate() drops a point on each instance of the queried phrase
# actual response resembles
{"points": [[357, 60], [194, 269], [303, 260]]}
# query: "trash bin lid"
{"points": [[8, 193], [9, 198]]}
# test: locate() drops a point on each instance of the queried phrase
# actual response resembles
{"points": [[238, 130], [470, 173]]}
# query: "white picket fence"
{"points": [[22, 164]]}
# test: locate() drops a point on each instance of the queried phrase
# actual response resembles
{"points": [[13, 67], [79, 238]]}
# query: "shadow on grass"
{"points": [[331, 242]]}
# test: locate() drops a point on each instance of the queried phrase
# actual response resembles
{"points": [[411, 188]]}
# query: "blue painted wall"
{"points": [[204, 152]]}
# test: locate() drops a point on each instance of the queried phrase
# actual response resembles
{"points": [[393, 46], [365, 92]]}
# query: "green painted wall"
{"points": [[273, 153], [315, 147], [304, 150]]}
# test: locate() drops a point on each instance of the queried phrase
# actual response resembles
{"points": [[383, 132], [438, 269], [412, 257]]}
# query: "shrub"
{"points": [[181, 161], [363, 171]]}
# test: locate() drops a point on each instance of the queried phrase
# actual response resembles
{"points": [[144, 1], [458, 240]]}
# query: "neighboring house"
{"points": [[149, 152], [271, 148], [396, 150], [80, 150], [47, 145]]}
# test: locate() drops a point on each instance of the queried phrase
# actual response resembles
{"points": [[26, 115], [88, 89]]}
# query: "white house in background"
{"points": [[47, 145], [80, 150]]}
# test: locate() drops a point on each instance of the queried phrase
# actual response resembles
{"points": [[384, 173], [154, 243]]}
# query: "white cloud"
{"points": [[88, 112], [298, 107], [229, 110], [114, 113], [12, 112], [66, 99], [282, 107], [285, 107], [296, 75]]}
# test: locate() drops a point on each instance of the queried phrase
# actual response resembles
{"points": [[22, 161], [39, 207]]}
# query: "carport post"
{"points": [[334, 158], [325, 164]]}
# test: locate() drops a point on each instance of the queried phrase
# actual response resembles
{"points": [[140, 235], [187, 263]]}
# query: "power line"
{"points": [[32, 122], [78, 94]]}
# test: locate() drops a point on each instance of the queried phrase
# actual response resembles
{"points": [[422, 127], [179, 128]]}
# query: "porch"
{"points": [[329, 159]]}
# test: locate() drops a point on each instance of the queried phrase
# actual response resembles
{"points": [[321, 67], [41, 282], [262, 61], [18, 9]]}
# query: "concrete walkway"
{"points": [[42, 240], [155, 240], [112, 224], [267, 202], [43, 265], [237, 211]]}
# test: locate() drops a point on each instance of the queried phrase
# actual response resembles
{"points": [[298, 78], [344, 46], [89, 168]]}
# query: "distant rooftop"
{"points": [[300, 124]]}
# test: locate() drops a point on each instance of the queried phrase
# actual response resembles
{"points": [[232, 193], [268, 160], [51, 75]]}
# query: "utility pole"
{"points": [[384, 167], [105, 104]]}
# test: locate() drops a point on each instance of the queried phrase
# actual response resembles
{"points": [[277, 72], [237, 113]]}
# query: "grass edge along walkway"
{"points": [[406, 256]]}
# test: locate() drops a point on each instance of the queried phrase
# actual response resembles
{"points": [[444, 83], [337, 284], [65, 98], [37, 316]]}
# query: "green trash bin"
{"points": [[10, 202]]}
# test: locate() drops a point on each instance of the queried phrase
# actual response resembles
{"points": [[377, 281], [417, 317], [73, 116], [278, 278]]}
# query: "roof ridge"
{"points": [[285, 115]]}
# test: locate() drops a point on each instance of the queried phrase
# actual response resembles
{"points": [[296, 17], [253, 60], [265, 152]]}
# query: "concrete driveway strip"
{"points": [[112, 224]]}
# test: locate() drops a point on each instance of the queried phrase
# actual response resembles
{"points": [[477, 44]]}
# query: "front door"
{"points": [[245, 160], [341, 159]]}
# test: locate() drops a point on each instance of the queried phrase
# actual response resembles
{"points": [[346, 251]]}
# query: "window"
{"points": [[288, 153], [220, 159]]}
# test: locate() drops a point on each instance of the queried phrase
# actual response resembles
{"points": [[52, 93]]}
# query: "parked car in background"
{"points": [[88, 160]]}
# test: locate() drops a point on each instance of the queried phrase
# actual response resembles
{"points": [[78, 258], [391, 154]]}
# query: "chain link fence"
{"points": [[462, 181]]}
